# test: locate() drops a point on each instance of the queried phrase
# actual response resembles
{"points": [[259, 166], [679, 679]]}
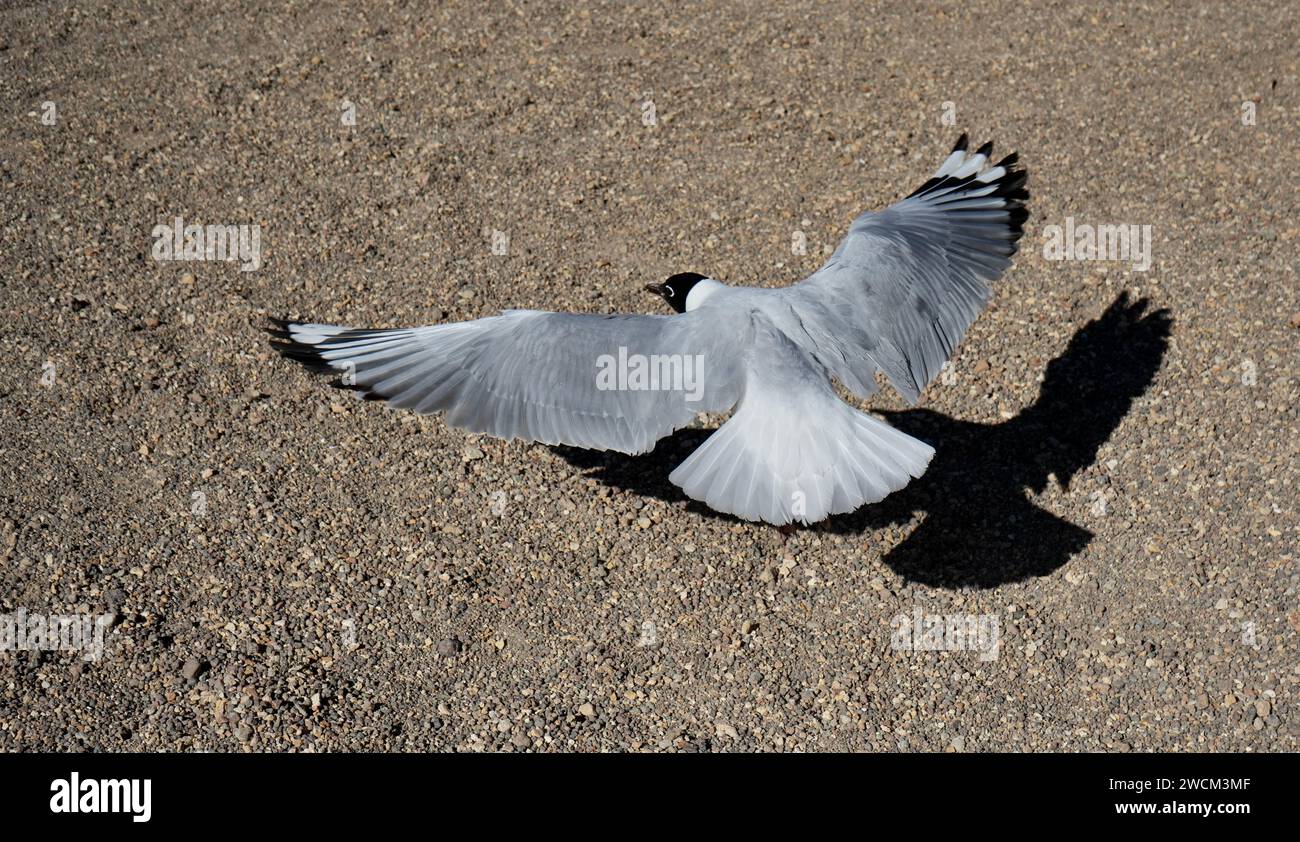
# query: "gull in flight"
{"points": [[895, 297]]}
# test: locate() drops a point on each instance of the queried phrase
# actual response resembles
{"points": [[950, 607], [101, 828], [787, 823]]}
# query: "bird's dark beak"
{"points": [[657, 289]]}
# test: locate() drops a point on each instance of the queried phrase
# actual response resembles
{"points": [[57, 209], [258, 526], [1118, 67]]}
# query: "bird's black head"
{"points": [[675, 289]]}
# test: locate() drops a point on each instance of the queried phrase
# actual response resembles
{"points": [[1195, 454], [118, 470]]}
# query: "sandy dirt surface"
{"points": [[285, 567]]}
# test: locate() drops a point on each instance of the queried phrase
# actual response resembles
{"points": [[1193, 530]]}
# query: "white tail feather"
{"points": [[782, 461]]}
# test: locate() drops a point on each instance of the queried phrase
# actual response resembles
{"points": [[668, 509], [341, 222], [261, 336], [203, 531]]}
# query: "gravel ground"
{"points": [[288, 568]]}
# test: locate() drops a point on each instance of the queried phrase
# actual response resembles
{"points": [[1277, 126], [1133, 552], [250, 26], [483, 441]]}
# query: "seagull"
{"points": [[895, 297]]}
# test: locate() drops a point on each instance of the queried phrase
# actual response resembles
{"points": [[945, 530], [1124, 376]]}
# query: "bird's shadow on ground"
{"points": [[980, 528]]}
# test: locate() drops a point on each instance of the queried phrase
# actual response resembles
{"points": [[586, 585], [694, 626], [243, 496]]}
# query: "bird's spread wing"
{"points": [[604, 382], [793, 450], [906, 282]]}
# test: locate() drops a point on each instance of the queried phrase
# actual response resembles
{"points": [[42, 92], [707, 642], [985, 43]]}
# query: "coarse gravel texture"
{"points": [[289, 568]]}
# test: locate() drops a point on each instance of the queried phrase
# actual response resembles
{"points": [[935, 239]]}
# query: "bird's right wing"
{"points": [[793, 450], [906, 282], [603, 382]]}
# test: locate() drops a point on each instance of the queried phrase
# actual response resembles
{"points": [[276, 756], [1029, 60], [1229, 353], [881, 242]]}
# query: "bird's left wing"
{"points": [[906, 282], [604, 382]]}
